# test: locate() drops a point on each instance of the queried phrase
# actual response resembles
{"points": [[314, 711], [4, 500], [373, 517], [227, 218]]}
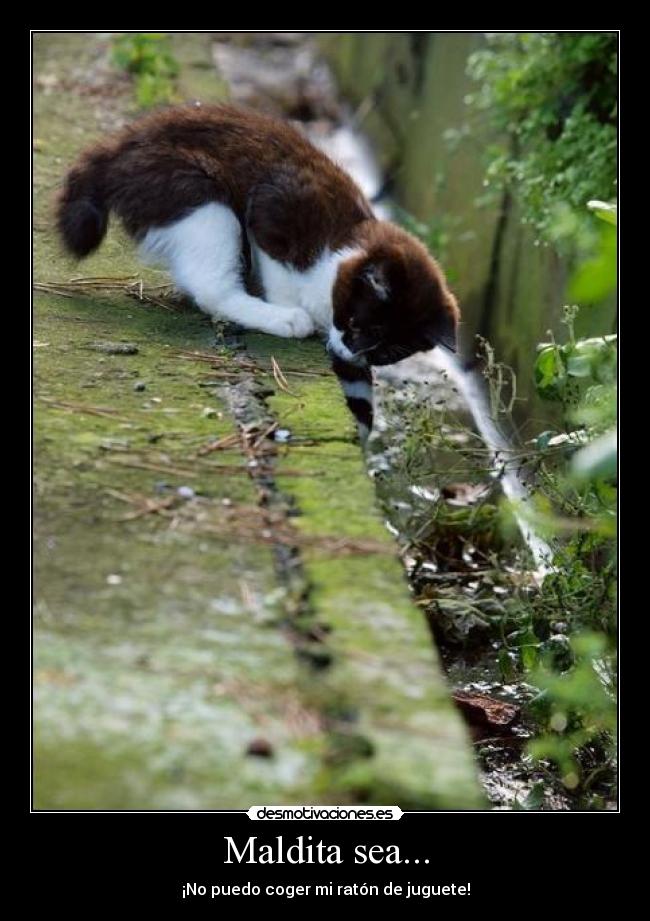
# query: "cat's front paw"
{"points": [[293, 323]]}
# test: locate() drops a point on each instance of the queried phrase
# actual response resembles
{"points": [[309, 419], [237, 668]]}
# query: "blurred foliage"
{"points": [[572, 373], [467, 569], [552, 98], [577, 708], [577, 501], [148, 56], [436, 233]]}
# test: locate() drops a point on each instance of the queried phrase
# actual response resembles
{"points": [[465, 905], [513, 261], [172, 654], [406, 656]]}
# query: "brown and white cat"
{"points": [[222, 195]]}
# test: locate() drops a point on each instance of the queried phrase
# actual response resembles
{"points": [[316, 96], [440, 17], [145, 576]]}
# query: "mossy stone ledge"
{"points": [[205, 636]]}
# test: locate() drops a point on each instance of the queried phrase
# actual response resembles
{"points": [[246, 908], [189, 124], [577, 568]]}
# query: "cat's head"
{"points": [[390, 301]]}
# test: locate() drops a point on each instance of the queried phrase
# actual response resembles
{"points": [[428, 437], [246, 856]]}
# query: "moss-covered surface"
{"points": [[165, 632], [384, 671]]}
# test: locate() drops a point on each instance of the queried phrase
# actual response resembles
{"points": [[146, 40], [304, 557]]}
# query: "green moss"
{"points": [[384, 684], [155, 665]]}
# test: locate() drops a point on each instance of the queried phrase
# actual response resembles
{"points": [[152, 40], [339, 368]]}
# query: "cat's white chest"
{"points": [[310, 290]]}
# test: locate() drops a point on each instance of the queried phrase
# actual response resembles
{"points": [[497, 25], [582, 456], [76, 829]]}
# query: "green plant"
{"points": [[577, 708], [468, 573], [577, 498], [552, 99], [148, 56]]}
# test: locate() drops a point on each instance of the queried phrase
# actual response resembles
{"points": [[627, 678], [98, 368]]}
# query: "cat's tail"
{"points": [[82, 211]]}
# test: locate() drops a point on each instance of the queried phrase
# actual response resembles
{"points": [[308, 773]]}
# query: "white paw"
{"points": [[292, 323]]}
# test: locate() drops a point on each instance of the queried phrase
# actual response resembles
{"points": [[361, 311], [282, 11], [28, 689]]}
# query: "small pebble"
{"points": [[139, 386], [113, 579], [261, 748], [186, 492]]}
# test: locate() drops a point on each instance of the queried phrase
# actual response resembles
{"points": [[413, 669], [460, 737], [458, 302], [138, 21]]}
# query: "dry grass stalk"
{"points": [[220, 444], [130, 285], [281, 380], [81, 408]]}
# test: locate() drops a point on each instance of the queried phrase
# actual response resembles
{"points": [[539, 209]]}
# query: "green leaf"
{"points": [[595, 279], [604, 211], [550, 374], [597, 460], [535, 798], [579, 365]]}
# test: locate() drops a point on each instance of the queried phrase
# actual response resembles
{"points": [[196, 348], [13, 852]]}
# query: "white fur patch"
{"points": [[201, 250], [358, 390], [203, 253], [335, 344], [311, 289]]}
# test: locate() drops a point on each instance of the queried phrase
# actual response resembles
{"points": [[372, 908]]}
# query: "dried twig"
{"points": [[157, 468], [82, 408], [220, 444], [281, 380], [239, 363], [144, 504], [130, 285]]}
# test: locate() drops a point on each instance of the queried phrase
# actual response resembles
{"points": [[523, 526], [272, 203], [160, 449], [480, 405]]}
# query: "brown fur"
{"points": [[294, 198]]}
